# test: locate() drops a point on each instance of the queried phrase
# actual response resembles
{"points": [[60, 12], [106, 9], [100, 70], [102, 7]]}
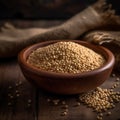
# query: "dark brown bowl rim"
{"points": [[22, 60]]}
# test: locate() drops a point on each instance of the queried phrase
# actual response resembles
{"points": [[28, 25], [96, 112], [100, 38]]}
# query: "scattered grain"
{"points": [[20, 82], [16, 91], [48, 100], [64, 113], [117, 79], [65, 107], [113, 75], [9, 104], [66, 110], [17, 95], [17, 84], [100, 99], [10, 87], [101, 115], [99, 118], [29, 100], [56, 101], [78, 103], [11, 96], [108, 113]]}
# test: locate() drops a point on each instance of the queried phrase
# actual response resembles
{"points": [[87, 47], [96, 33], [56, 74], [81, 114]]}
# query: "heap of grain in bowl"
{"points": [[65, 57]]}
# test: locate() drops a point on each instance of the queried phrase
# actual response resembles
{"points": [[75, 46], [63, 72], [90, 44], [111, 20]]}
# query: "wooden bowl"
{"points": [[62, 83]]}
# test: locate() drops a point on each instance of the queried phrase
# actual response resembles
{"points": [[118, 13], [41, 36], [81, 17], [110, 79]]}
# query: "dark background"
{"points": [[46, 9]]}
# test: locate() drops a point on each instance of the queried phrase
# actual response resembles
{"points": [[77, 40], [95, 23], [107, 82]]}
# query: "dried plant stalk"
{"points": [[109, 39], [12, 40]]}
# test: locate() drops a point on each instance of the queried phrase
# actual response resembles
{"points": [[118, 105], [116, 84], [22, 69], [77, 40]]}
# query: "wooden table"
{"points": [[19, 100]]}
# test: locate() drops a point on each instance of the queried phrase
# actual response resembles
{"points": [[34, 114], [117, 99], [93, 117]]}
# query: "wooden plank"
{"points": [[17, 96], [49, 111]]}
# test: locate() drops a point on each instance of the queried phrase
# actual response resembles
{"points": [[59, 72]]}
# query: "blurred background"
{"points": [[46, 9]]}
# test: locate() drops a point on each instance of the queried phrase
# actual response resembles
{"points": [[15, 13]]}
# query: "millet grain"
{"points": [[65, 57]]}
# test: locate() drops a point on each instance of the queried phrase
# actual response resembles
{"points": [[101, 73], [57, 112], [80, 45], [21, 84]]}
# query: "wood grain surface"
{"points": [[17, 96], [19, 100]]}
